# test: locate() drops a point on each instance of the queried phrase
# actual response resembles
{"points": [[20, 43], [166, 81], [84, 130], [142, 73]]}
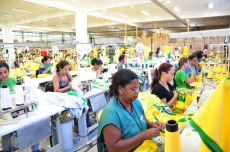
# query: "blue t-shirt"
{"points": [[193, 69], [130, 124]]}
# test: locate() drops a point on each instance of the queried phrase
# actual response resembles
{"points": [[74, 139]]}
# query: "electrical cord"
{"points": [[85, 146]]}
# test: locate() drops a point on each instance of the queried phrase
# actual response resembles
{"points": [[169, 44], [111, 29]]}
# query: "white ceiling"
{"points": [[48, 19]]}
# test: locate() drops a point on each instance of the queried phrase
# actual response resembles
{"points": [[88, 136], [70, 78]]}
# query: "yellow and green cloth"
{"points": [[212, 121]]}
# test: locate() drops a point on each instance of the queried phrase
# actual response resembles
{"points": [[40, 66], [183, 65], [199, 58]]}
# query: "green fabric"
{"points": [[180, 79], [115, 114], [10, 82], [47, 67], [211, 144], [149, 59], [89, 59]]}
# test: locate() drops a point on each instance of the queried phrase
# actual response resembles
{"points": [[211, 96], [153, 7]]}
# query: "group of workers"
{"points": [[123, 117]]}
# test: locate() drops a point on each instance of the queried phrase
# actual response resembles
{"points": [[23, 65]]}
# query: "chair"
{"points": [[49, 87]]}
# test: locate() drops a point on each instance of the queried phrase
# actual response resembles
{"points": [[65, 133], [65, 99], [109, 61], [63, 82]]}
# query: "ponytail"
{"points": [[181, 62], [156, 77]]}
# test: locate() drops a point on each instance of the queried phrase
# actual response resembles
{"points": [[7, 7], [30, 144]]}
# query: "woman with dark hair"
{"points": [[193, 64], [123, 117], [161, 86], [199, 55], [46, 65], [18, 60], [97, 64], [122, 61], [157, 52], [62, 80], [181, 79]]}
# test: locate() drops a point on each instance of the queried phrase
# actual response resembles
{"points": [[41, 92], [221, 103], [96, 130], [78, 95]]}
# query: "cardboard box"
{"points": [[1, 40], [199, 40], [144, 36], [15, 41], [199, 44], [156, 35], [165, 38]]}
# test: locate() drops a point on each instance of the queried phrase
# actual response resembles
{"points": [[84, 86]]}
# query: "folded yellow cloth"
{"points": [[212, 120]]}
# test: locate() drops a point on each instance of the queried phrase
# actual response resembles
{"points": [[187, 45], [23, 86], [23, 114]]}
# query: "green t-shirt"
{"points": [[180, 79], [47, 67], [10, 82], [89, 59], [130, 124]]}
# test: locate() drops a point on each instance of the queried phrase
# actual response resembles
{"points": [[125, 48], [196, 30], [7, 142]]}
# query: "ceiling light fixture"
{"points": [[131, 6], [7, 15], [144, 12], [77, 1], [176, 9], [104, 10], [210, 5], [21, 10], [65, 23], [168, 2], [62, 17], [122, 15], [42, 5], [111, 26], [45, 20]]}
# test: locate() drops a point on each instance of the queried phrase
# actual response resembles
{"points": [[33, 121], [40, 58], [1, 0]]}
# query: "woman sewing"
{"points": [[122, 60], [46, 65], [97, 67], [123, 117], [161, 86], [181, 79], [62, 80], [10, 82]]}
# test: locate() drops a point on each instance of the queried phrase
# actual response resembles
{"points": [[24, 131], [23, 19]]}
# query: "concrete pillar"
{"points": [[7, 35]]}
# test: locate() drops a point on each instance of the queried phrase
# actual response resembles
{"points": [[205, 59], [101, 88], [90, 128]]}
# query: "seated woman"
{"points": [[161, 86], [193, 64], [45, 66], [123, 117], [122, 60], [181, 79], [97, 65], [62, 80], [10, 82]]}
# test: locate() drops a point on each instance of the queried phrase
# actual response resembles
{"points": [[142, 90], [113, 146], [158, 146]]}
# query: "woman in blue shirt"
{"points": [[193, 65], [123, 117], [46, 65]]}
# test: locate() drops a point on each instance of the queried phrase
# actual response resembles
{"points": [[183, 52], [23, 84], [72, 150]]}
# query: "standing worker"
{"points": [[111, 54]]}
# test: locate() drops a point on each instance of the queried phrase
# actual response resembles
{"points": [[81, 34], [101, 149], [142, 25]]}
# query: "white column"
{"points": [[81, 27], [145, 32], [7, 35]]}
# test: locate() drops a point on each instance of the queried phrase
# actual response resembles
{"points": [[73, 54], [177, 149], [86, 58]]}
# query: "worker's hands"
{"points": [[150, 133], [175, 93], [192, 72], [70, 84], [158, 125]]}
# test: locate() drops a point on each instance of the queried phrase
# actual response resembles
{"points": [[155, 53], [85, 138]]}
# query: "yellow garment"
{"points": [[185, 51], [184, 99], [95, 52], [147, 146], [215, 131], [121, 50], [166, 49], [147, 51]]}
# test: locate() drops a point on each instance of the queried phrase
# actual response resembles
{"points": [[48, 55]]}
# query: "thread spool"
{"points": [[19, 94], [172, 137], [6, 101]]}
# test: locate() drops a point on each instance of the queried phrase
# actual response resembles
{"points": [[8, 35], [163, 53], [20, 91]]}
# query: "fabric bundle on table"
{"points": [[212, 120]]}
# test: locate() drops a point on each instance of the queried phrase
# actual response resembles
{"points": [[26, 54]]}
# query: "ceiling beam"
{"points": [[169, 11]]}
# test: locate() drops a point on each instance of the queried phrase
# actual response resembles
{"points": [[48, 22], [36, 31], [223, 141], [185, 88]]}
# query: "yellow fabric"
{"points": [[121, 50], [210, 74], [147, 51], [166, 49], [215, 132], [201, 64], [185, 51], [147, 146], [95, 52], [18, 72]]}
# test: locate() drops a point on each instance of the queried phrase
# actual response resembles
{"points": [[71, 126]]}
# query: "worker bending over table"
{"points": [[10, 82], [123, 117], [161, 86], [97, 66]]}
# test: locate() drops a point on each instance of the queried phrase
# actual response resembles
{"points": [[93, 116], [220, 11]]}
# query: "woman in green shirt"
{"points": [[181, 79], [4, 77], [46, 65], [123, 117]]}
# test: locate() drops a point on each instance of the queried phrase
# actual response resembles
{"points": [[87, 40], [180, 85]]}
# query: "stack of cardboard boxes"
{"points": [[145, 40]]}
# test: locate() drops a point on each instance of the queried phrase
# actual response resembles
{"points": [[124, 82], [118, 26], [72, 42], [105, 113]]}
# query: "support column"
{"points": [[136, 32], [187, 25], [81, 27], [7, 35], [155, 27], [125, 35]]}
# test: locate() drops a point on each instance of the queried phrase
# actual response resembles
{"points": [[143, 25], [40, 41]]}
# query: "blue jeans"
{"points": [[35, 147]]}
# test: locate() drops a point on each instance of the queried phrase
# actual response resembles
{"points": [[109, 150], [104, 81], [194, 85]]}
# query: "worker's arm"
{"points": [[191, 78], [172, 101], [114, 143]]}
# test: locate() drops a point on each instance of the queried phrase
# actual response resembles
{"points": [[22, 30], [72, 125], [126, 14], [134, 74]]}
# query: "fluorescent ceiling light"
{"points": [[168, 2], [122, 15], [50, 25], [62, 17], [45, 20], [131, 6], [111, 26], [20, 10], [210, 5], [42, 5], [7, 15], [65, 23], [104, 10], [77, 1], [144, 12], [176, 9]]}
